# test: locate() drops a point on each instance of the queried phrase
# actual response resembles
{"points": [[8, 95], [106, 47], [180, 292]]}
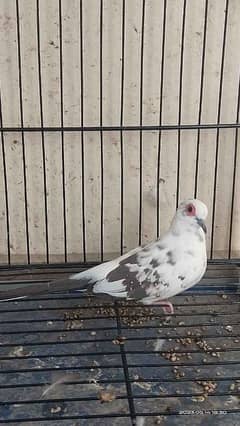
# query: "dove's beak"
{"points": [[202, 224]]}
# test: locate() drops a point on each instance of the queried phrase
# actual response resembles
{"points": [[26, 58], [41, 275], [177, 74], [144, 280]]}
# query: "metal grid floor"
{"points": [[125, 364]]}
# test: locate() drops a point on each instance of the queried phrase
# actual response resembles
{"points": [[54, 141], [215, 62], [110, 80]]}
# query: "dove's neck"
{"points": [[182, 226]]}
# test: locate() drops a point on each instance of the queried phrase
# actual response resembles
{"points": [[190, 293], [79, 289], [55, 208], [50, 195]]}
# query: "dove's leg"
{"points": [[167, 306]]}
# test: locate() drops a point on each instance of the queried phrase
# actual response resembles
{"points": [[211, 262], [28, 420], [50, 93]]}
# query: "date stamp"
{"points": [[202, 412]]}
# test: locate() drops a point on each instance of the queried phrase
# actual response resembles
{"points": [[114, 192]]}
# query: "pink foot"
{"points": [[167, 306]]}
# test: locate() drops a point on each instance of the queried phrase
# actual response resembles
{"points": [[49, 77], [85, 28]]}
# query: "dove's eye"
{"points": [[191, 210]]}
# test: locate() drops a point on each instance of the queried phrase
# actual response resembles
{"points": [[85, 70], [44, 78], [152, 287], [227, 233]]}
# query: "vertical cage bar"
{"points": [[42, 132], [5, 184], [234, 175], [160, 114], [22, 133], [218, 130], [140, 134], [101, 132], [125, 369], [62, 131], [82, 134], [201, 97], [180, 103], [121, 132]]}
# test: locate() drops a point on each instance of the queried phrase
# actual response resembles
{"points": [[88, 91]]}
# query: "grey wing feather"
{"points": [[44, 288], [132, 275]]}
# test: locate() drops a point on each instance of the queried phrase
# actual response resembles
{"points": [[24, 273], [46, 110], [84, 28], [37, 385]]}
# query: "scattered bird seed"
{"points": [[106, 396], [208, 386]]}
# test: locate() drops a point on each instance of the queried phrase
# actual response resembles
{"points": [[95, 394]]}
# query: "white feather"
{"points": [[158, 344], [105, 286], [14, 298]]}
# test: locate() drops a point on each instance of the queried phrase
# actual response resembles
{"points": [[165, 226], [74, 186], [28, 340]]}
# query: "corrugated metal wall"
{"points": [[132, 62]]}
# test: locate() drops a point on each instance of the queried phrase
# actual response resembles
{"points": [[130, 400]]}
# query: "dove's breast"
{"points": [[185, 267]]}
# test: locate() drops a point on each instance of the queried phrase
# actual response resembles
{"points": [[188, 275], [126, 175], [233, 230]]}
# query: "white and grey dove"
{"points": [[150, 274]]}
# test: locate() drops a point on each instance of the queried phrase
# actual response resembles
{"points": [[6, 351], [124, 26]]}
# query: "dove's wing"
{"points": [[124, 276], [82, 281], [154, 271]]}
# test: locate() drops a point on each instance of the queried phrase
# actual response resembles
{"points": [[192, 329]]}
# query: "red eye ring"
{"points": [[190, 210]]}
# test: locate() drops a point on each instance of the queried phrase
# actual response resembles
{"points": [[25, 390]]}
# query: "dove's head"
{"points": [[192, 212]]}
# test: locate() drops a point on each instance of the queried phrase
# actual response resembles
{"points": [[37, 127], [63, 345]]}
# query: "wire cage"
{"points": [[111, 112]]}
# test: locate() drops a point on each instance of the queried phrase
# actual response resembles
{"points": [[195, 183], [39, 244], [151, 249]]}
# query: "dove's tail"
{"points": [[80, 283]]}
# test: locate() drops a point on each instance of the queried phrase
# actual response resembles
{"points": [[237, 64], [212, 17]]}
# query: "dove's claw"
{"points": [[168, 310], [167, 306]]}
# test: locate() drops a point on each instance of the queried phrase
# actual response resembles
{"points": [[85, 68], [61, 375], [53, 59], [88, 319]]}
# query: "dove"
{"points": [[151, 274]]}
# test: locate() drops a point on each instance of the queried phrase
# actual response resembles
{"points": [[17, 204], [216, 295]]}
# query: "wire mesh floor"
{"points": [[125, 364]]}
